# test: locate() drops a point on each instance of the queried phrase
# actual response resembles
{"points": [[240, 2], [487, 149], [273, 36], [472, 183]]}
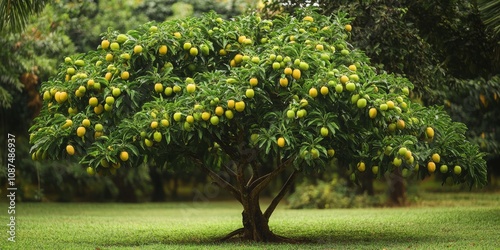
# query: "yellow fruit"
{"points": [[239, 106], [108, 76], [250, 93], [230, 104], [154, 124], [253, 81], [219, 111], [288, 71], [283, 82], [313, 92], [137, 49], [164, 122], [296, 74], [361, 166], [390, 104], [344, 79], [158, 87], [124, 156], [62, 97], [193, 51], [99, 109], [400, 124], [205, 116], [109, 57], [70, 150], [372, 113], [352, 67], [241, 39], [431, 167], [281, 142], [67, 124], [125, 75], [105, 44], [86, 123], [331, 152], [348, 27], [429, 132], [436, 158], [238, 58], [93, 101], [163, 50], [190, 119], [324, 90], [190, 88], [80, 131], [308, 19]]}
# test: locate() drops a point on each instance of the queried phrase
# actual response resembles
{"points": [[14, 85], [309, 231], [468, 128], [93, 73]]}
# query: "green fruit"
{"points": [[121, 38], [383, 107], [397, 162], [157, 136], [375, 169], [116, 92], [402, 151], [339, 88], [361, 103], [324, 131], [79, 63], [443, 169], [114, 46], [290, 114], [314, 153], [214, 120], [457, 170], [350, 86], [177, 116]]}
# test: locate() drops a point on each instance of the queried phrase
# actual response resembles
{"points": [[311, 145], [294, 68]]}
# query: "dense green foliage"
{"points": [[442, 47], [138, 106]]}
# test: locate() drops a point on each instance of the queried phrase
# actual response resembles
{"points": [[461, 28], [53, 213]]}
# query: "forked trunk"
{"points": [[255, 224]]}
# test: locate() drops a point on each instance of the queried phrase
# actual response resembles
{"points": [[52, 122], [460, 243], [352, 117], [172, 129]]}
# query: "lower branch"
{"points": [[286, 187], [220, 181]]}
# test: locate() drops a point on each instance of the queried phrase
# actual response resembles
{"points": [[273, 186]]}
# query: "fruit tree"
{"points": [[245, 100]]}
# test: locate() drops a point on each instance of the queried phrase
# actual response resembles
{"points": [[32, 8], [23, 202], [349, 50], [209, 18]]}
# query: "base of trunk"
{"points": [[243, 235]]}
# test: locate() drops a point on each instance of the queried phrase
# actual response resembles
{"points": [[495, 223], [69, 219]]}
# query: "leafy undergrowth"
{"points": [[459, 221]]}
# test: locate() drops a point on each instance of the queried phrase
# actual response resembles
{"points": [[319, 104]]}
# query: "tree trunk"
{"points": [[397, 188], [255, 224]]}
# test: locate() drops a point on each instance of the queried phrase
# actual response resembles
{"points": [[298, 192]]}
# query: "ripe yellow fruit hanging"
{"points": [[281, 142], [70, 149], [124, 156]]}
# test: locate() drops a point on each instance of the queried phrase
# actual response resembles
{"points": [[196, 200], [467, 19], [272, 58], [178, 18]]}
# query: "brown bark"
{"points": [[397, 188]]}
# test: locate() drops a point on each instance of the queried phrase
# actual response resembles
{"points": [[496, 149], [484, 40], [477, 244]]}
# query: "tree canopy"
{"points": [[245, 100]]}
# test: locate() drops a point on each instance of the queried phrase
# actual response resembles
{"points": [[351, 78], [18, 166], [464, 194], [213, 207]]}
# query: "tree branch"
{"points": [[262, 182], [219, 180], [281, 194]]}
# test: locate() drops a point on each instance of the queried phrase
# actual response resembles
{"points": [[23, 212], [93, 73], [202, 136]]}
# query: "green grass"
{"points": [[462, 221]]}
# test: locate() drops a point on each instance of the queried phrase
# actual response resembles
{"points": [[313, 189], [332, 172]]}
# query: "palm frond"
{"points": [[489, 11], [14, 14]]}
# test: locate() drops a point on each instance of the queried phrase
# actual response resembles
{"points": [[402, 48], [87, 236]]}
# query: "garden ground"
{"points": [[437, 221]]}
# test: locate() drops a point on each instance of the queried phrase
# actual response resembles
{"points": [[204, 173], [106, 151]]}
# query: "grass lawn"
{"points": [[462, 221]]}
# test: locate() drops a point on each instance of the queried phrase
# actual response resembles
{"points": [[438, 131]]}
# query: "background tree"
{"points": [[245, 100]]}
